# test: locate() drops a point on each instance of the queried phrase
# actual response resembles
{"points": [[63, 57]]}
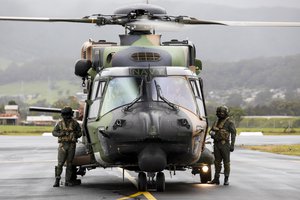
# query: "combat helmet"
{"points": [[67, 112], [223, 109]]}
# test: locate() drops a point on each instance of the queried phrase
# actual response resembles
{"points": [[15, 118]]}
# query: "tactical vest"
{"points": [[71, 136], [221, 133]]}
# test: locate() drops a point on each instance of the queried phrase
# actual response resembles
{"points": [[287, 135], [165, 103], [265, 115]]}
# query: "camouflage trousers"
{"points": [[66, 152], [222, 153]]}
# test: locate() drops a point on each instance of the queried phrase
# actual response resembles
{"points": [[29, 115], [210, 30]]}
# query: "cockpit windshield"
{"points": [[122, 91], [176, 90]]}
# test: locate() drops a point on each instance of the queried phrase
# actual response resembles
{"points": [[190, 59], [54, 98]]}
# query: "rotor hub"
{"points": [[141, 9]]}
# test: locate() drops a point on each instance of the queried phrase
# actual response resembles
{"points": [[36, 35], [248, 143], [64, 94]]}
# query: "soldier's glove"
{"points": [[215, 128], [231, 147], [212, 134]]}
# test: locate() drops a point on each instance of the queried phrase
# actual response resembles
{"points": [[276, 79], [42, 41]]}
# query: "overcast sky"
{"points": [[253, 3], [108, 5], [217, 43]]}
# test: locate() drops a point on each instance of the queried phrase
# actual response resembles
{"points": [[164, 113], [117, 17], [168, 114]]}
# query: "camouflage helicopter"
{"points": [[145, 109]]}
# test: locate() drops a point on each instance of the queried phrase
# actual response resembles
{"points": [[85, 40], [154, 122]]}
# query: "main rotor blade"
{"points": [[153, 21], [259, 23], [193, 21], [43, 19], [146, 24]]}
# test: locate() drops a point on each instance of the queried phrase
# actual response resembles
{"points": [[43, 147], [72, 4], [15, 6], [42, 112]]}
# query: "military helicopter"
{"points": [[145, 109]]}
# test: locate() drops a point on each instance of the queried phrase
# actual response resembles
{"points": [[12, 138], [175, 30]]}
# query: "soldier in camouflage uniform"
{"points": [[223, 132], [68, 131]]}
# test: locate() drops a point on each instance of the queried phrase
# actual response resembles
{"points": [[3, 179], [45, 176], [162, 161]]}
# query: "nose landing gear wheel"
{"points": [[142, 182], [160, 182]]}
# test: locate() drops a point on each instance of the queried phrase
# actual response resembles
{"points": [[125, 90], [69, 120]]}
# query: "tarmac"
{"points": [[27, 172]]}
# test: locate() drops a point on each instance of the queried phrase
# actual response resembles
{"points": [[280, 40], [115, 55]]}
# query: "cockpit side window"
{"points": [[97, 92], [195, 89], [198, 95]]}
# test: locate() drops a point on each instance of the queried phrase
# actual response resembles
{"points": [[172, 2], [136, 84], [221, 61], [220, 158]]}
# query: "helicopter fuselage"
{"points": [[145, 109], [131, 126]]}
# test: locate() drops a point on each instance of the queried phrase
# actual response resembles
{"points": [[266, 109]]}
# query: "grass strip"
{"points": [[24, 130], [291, 150]]}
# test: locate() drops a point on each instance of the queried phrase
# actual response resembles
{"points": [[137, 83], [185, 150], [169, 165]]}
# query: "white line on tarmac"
{"points": [[26, 161]]}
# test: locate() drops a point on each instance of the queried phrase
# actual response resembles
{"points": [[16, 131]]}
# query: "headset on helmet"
{"points": [[224, 109]]}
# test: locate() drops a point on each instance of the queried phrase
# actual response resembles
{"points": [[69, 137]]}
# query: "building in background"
{"points": [[40, 120], [11, 115]]}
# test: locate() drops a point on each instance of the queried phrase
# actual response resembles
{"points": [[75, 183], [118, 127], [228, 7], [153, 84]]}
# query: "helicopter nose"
{"points": [[152, 159]]}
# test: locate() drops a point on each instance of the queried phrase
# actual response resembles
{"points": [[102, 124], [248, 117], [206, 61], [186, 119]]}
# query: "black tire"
{"points": [[205, 177], [142, 182], [160, 182]]}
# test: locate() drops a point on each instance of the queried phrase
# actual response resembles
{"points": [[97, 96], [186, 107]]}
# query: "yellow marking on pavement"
{"points": [[146, 194], [129, 177]]}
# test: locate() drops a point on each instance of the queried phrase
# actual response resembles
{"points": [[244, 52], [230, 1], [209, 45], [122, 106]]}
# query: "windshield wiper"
{"points": [[158, 91], [136, 99], [132, 103]]}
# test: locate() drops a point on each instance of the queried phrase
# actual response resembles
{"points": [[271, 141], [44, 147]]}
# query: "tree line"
{"points": [[274, 108]]}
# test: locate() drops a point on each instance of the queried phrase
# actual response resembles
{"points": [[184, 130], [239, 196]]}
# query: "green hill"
{"points": [[43, 79], [51, 78], [269, 73], [34, 91]]}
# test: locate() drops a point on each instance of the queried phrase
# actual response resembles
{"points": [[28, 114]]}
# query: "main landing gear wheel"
{"points": [[160, 182], [205, 177], [142, 182]]}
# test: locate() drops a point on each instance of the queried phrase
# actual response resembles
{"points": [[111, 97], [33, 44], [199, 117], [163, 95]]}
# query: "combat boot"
{"points": [[77, 182], [57, 177], [68, 184], [216, 180], [56, 184], [226, 182]]}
